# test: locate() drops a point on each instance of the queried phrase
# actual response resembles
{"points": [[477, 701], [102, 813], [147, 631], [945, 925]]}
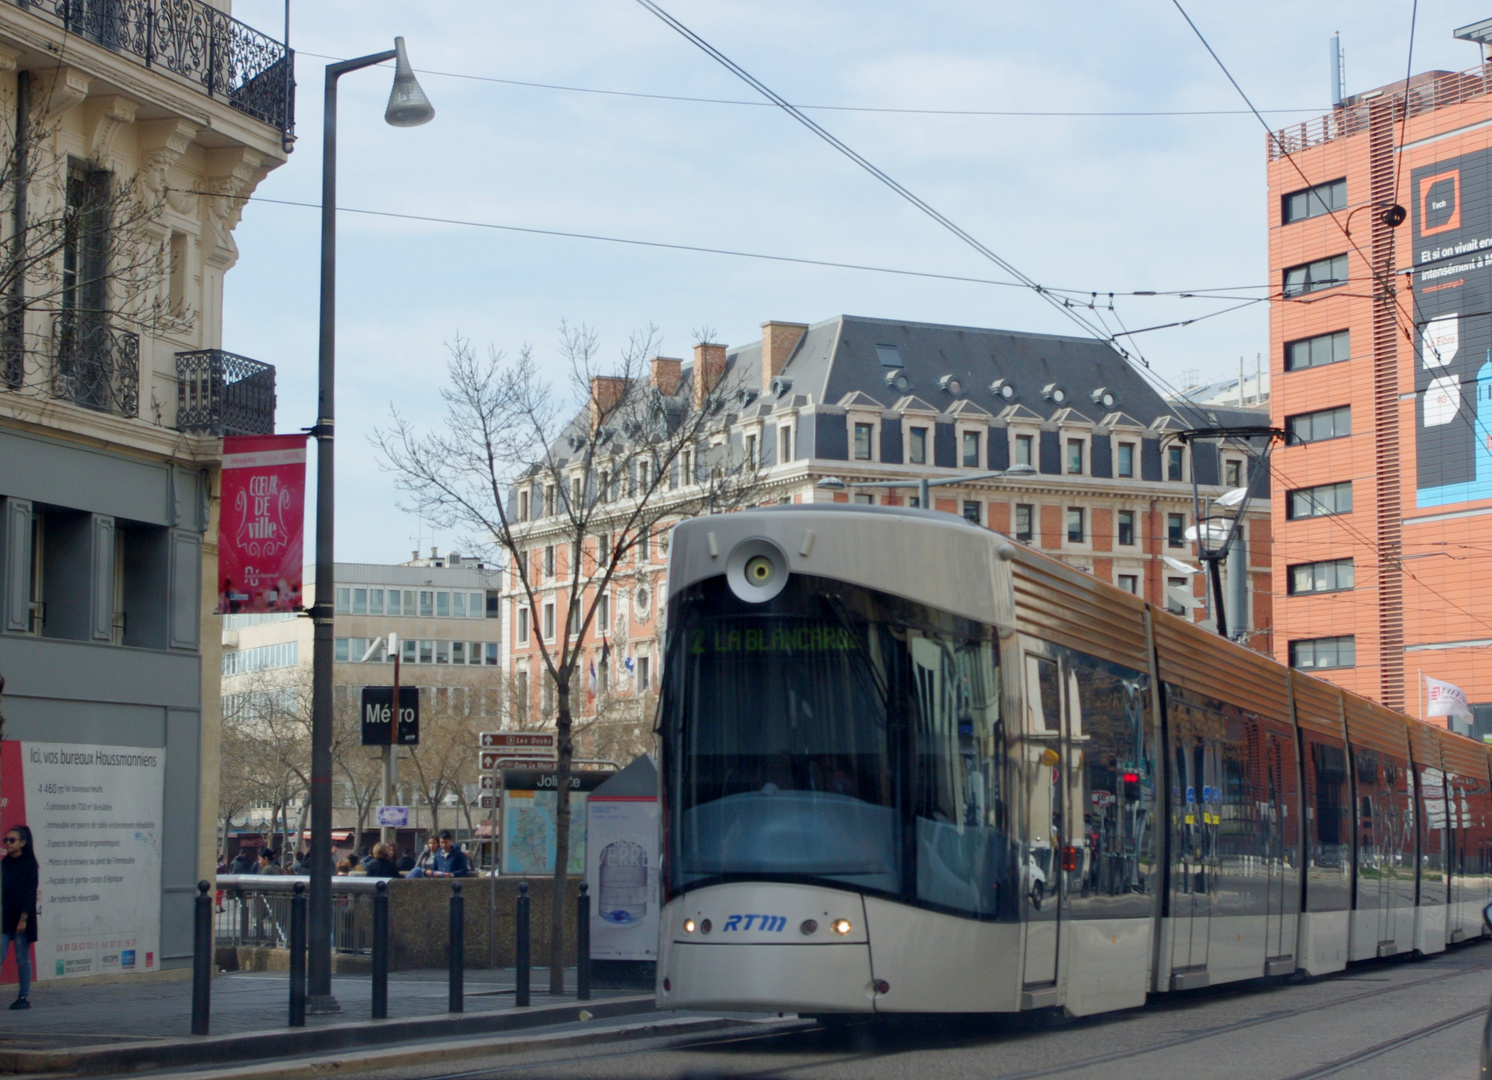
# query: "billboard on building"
{"points": [[95, 819], [261, 529], [1451, 212]]}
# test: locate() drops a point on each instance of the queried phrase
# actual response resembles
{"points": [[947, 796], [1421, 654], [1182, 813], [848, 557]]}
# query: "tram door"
{"points": [[1042, 762], [1279, 842], [1194, 779]]}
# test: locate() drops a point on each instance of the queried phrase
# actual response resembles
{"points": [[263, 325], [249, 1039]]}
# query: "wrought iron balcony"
{"points": [[94, 364], [221, 393], [228, 59]]}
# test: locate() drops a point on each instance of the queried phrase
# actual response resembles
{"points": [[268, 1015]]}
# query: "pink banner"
{"points": [[261, 528]]}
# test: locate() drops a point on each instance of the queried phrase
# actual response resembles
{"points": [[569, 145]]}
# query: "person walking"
{"points": [[19, 881]]}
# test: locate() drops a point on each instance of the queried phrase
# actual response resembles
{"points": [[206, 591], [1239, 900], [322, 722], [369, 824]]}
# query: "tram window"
{"points": [[1042, 695], [1329, 826], [1114, 790]]}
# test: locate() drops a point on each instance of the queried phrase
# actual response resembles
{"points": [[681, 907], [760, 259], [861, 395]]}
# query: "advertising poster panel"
{"points": [[621, 865], [1451, 212], [261, 534], [528, 812], [95, 817]]}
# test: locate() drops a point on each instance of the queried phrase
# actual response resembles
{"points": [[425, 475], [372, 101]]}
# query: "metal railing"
{"points": [[221, 393], [1352, 118], [94, 364], [228, 59], [255, 911]]}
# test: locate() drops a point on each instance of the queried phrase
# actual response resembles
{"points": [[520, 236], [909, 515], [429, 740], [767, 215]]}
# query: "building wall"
{"points": [[1417, 539], [118, 657]]}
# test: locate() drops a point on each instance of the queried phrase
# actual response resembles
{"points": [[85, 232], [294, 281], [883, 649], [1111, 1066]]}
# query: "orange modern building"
{"points": [[1380, 256]]}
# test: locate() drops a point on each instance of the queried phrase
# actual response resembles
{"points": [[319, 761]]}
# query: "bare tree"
{"points": [[445, 759], [608, 449]]}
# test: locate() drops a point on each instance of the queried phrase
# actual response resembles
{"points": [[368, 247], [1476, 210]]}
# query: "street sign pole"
{"points": [[391, 753]]}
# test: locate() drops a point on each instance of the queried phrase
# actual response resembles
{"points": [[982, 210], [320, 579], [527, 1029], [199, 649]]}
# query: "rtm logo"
{"points": [[771, 924]]}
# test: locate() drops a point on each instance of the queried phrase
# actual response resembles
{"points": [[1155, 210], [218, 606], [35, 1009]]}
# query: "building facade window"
{"points": [[1232, 473], [973, 511], [1175, 463], [1313, 201], [1076, 533], [1176, 585], [1126, 522], [1319, 426], [1331, 575], [427, 603], [549, 560], [344, 600], [1130, 583], [863, 433], [1314, 276], [1176, 530], [644, 675], [1025, 449], [1024, 516], [864, 500], [1323, 500], [523, 497], [785, 443], [603, 614], [1075, 457], [971, 449], [1316, 654], [750, 456], [917, 445], [549, 621], [1318, 351], [1125, 464]]}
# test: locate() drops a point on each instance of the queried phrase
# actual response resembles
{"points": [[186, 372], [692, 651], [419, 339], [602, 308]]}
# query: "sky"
{"points": [[1101, 204]]}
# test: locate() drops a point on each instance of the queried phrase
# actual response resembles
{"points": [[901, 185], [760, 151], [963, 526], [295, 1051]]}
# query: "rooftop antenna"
{"points": [[1338, 75]]}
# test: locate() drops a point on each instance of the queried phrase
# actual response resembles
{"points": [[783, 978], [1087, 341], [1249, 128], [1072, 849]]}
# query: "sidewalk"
{"points": [[122, 1027]]}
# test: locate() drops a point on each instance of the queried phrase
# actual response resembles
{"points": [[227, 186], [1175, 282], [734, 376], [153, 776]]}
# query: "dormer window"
{"points": [[1126, 463], [864, 433], [1075, 457], [889, 356], [1175, 463], [970, 457], [1025, 449]]}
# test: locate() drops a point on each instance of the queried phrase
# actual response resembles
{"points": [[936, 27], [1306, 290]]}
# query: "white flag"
{"points": [[1446, 699]]}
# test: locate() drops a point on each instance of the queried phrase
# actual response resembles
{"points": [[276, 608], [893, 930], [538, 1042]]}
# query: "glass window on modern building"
{"points": [[1318, 426], [863, 433], [1317, 654], [1317, 351], [1331, 575], [1323, 500], [1314, 276], [1313, 201]]}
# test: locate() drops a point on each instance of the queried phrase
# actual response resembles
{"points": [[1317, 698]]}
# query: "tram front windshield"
{"points": [[833, 734]]}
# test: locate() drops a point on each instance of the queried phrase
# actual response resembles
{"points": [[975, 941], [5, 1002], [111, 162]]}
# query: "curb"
{"points": [[404, 1057], [233, 1049]]}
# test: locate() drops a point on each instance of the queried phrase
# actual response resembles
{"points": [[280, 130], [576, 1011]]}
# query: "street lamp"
{"points": [[408, 107]]}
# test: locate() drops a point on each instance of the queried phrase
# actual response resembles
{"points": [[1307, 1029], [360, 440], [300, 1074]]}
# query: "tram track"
{"points": [[790, 1028]]}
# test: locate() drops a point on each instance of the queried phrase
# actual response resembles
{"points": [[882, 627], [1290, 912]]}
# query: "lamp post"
{"points": [[408, 107]]}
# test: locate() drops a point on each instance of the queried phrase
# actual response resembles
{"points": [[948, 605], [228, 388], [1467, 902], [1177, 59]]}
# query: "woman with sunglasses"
{"points": [[18, 886]]}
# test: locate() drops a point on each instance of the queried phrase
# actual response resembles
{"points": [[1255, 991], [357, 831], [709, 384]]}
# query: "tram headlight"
{"points": [[841, 926], [688, 926], [756, 570]]}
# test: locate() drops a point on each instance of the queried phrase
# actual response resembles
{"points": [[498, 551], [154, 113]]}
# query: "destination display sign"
{"points": [[517, 740]]}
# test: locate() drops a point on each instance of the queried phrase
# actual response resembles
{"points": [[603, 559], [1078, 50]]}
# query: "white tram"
{"points": [[912, 766]]}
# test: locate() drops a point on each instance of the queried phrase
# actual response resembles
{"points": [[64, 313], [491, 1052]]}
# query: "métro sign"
{"points": [[377, 711]]}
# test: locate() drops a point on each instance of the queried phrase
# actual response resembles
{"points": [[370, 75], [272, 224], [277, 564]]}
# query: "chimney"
{"points": [[606, 391], [709, 366], [779, 339], [667, 374]]}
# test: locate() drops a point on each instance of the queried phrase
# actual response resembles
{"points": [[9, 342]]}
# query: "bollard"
{"points": [[583, 944], [458, 950], [298, 956], [381, 952], [520, 950], [202, 959]]}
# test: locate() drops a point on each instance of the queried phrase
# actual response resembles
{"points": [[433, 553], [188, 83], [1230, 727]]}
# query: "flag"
{"points": [[605, 653], [592, 686], [1446, 699]]}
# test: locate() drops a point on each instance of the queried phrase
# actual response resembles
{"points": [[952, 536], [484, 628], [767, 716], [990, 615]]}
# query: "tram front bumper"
{"points": [[767, 978]]}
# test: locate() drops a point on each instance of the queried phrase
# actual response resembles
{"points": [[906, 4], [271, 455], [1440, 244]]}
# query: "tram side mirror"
{"points": [[1487, 916]]}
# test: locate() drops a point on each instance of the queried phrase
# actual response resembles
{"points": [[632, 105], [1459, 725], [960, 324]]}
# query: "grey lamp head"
{"points": [[408, 105]]}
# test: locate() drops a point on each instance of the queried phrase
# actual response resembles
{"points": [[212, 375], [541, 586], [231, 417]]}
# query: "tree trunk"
{"points": [[558, 889]]}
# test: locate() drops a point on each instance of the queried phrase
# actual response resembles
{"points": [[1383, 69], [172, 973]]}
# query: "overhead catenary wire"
{"points": [[895, 110]]}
